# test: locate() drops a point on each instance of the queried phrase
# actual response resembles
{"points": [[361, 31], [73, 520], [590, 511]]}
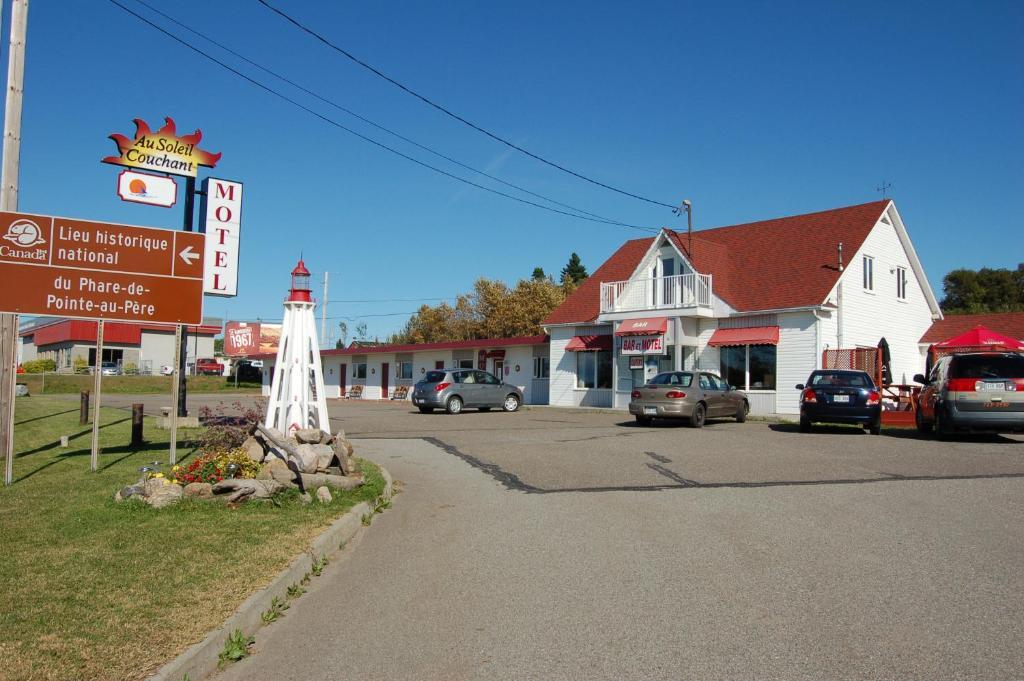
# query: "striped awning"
{"points": [[585, 343], [755, 335]]}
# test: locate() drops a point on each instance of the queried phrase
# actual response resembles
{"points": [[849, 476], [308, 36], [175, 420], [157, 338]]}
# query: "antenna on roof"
{"points": [[688, 207], [886, 186]]}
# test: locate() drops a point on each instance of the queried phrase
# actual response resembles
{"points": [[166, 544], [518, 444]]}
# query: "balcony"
{"points": [[679, 292]]}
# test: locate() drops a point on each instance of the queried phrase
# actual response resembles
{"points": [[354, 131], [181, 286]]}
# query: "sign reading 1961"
{"points": [[95, 270]]}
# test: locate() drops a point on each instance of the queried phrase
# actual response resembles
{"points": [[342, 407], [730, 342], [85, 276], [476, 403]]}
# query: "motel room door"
{"points": [[384, 380], [342, 370]]}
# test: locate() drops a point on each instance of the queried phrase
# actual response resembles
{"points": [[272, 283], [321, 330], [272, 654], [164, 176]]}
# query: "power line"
{"points": [[368, 121], [448, 112], [392, 300], [363, 137]]}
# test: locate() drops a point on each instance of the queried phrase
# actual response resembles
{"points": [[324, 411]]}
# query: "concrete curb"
{"points": [[200, 661]]}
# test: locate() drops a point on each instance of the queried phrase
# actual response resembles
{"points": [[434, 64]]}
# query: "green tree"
{"points": [[538, 273], [218, 346], [984, 290], [574, 270], [342, 335]]}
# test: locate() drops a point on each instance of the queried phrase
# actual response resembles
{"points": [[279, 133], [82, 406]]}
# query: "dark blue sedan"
{"points": [[836, 396]]}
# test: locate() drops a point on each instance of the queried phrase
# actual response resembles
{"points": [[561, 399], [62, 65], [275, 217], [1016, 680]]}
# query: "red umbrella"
{"points": [[980, 338]]}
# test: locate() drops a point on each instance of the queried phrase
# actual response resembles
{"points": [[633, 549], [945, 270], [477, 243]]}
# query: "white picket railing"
{"points": [[679, 291]]}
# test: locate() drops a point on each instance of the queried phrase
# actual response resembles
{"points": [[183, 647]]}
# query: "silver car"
{"points": [[696, 396], [454, 389]]}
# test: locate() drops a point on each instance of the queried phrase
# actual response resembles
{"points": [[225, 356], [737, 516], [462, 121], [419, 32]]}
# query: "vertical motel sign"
{"points": [[220, 216]]}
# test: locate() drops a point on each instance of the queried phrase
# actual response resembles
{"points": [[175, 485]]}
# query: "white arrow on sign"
{"points": [[189, 256]]}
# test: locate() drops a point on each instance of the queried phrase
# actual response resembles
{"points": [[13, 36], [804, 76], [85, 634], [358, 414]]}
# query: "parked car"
{"points": [[978, 391], [244, 370], [166, 370], [209, 367], [840, 396], [696, 396], [110, 369], [454, 389]]}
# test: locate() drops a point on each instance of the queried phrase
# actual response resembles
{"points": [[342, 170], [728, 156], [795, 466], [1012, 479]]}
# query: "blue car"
{"points": [[837, 396]]}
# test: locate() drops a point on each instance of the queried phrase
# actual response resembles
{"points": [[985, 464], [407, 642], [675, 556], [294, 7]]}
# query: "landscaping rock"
{"points": [[244, 489], [308, 436], [323, 495], [343, 453], [309, 458], [277, 433], [325, 455], [159, 492], [128, 492], [305, 499], [199, 490], [254, 449], [312, 481]]}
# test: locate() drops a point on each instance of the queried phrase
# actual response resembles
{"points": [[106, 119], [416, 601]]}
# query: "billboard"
{"points": [[251, 338], [163, 151]]}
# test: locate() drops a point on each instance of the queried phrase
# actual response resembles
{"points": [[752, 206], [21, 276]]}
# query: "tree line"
{"points": [[985, 290]]}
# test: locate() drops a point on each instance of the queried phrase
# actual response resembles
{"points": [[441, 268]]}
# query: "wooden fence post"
{"points": [[137, 421], [83, 408]]}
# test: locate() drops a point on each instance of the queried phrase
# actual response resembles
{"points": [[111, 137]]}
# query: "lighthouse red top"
{"points": [[300, 292]]}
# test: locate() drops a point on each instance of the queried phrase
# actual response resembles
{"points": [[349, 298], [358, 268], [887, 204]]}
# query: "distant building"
{"points": [[146, 346]]}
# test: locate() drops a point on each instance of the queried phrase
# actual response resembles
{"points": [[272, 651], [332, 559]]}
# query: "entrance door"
{"points": [[499, 369], [384, 381], [342, 370]]}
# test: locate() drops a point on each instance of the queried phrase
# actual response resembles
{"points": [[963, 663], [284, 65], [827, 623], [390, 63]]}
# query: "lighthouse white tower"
{"points": [[297, 390]]}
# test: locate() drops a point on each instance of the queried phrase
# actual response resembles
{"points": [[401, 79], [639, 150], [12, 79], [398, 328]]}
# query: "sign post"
{"points": [[94, 456], [174, 399]]}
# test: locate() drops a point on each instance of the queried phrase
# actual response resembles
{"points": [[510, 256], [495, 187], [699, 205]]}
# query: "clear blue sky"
{"points": [[751, 110]]}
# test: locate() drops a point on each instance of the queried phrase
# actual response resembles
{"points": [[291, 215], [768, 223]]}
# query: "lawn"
{"points": [[98, 590], [51, 384]]}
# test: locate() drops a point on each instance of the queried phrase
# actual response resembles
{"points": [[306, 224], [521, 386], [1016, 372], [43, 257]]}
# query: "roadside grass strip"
{"points": [[54, 384], [95, 589]]}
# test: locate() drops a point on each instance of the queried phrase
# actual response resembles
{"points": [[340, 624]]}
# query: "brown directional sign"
{"points": [[96, 270]]}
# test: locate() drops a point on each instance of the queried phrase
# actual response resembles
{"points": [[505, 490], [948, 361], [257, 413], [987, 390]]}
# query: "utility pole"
{"points": [[323, 314], [9, 202]]}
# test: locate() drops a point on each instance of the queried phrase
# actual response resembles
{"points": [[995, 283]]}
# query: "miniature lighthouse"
{"points": [[297, 391]]}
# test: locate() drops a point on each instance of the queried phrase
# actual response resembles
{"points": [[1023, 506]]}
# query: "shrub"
{"points": [[228, 432], [130, 368], [38, 366], [80, 364], [212, 467]]}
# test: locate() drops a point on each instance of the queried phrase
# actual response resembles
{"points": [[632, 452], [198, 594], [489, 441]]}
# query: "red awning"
{"points": [[755, 335], [649, 326], [584, 343]]}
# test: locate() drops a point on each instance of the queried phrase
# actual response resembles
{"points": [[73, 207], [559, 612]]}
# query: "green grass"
{"points": [[53, 384], [98, 590]]}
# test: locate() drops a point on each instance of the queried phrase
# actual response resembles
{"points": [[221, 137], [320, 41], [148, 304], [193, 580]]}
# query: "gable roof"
{"points": [[767, 265], [1007, 323]]}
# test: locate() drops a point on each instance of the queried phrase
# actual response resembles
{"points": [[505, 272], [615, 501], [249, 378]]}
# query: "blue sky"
{"points": [[751, 110]]}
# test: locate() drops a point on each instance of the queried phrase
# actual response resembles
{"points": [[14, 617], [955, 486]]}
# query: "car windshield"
{"points": [[433, 377], [673, 378], [987, 366], [109, 365], [841, 378]]}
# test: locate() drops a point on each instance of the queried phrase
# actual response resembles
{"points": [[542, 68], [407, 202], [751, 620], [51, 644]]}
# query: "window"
{"points": [[749, 367], [673, 378], [464, 364], [541, 367], [901, 283], [485, 378], [594, 369], [359, 371], [869, 273], [404, 370]]}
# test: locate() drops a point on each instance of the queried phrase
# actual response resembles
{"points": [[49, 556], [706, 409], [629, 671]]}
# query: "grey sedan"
{"points": [[688, 395], [454, 389]]}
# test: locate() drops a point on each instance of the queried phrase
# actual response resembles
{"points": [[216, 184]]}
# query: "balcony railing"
{"points": [[660, 293]]}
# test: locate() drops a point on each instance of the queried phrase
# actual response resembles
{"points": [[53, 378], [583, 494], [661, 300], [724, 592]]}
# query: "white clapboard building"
{"points": [[756, 303]]}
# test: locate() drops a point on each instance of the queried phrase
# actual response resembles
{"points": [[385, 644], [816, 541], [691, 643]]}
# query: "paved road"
{"points": [[465, 578]]}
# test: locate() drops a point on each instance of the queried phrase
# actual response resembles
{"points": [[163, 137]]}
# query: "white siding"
{"points": [[708, 358], [795, 359], [562, 387], [867, 316]]}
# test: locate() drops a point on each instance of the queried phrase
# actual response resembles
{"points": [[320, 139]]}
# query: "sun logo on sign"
{"points": [[137, 187], [25, 233]]}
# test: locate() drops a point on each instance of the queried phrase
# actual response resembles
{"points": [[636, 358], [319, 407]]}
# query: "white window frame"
{"points": [[541, 367], [359, 371], [400, 373], [869, 273], [901, 282]]}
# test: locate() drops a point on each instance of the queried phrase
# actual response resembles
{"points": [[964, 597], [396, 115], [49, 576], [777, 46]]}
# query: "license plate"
{"points": [[841, 398], [1000, 386], [650, 410]]}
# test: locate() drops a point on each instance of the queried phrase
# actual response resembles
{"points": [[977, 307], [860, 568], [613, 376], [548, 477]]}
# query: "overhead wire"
{"points": [[452, 114], [368, 121], [366, 138]]}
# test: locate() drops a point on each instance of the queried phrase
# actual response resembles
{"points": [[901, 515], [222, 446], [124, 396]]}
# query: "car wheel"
{"points": [[511, 403], [922, 425], [454, 404], [742, 411], [805, 424], [426, 410], [876, 427], [700, 412], [643, 420]]}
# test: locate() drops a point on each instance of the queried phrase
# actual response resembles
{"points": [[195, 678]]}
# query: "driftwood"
{"points": [[293, 460], [314, 480], [242, 489]]}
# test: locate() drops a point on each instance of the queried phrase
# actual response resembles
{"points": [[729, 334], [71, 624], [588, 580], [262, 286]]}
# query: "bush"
{"points": [[130, 368], [38, 366], [228, 432], [80, 364]]}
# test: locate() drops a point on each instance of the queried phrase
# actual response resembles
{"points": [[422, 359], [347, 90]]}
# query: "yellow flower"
{"points": [[158, 475]]}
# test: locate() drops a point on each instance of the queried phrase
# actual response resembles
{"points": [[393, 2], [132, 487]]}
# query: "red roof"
{"points": [[757, 335], [81, 330], [585, 343], [768, 265], [446, 345], [1007, 323]]}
